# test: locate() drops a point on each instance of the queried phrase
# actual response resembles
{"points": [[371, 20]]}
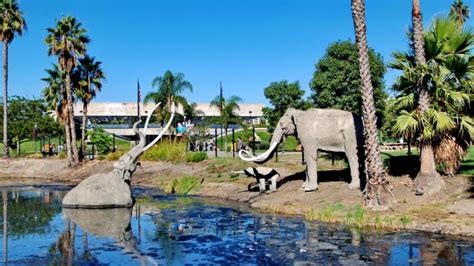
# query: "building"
{"points": [[118, 118]]}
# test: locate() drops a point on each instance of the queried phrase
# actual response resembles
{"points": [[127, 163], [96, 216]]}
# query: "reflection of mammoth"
{"points": [[318, 130]]}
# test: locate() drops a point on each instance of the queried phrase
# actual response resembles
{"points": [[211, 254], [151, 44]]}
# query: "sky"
{"points": [[246, 44]]}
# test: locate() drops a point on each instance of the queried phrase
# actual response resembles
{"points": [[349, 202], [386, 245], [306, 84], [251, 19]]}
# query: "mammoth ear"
{"points": [[293, 115]]}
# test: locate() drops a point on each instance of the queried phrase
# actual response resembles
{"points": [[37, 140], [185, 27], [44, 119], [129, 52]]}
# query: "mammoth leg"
{"points": [[351, 153], [261, 183], [273, 184], [311, 171]]}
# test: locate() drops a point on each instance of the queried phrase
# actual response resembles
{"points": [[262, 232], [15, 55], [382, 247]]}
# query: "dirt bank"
{"points": [[448, 212]]}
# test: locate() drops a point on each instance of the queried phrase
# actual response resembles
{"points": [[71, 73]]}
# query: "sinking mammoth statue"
{"points": [[318, 130], [113, 189]]}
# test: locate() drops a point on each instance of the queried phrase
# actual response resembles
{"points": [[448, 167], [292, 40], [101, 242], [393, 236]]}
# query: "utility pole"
{"points": [[222, 110]]}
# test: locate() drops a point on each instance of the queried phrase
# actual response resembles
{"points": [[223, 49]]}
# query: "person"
{"points": [[180, 130]]}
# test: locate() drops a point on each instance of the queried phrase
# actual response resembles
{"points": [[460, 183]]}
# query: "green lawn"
{"points": [[290, 144], [30, 146]]}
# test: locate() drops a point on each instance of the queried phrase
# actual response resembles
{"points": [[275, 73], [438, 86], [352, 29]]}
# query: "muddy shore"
{"points": [[448, 212]]}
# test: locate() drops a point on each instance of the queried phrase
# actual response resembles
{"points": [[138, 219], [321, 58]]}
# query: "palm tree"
{"points": [[427, 180], [11, 23], [169, 87], [459, 12], [56, 99], [68, 41], [227, 109], [90, 77], [378, 190], [447, 77]]}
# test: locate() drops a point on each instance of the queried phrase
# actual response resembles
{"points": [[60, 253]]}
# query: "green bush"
{"points": [[101, 140], [195, 157]]}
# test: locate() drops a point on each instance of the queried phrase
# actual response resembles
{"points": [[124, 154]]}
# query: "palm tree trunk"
{"points": [[6, 155], [83, 129], [428, 180], [72, 125], [70, 160], [378, 190]]}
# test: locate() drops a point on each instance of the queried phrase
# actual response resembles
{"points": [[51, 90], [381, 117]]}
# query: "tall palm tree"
{"points": [[447, 76], [68, 41], [90, 75], [428, 179], [227, 109], [56, 99], [459, 12], [378, 190], [11, 23], [169, 89]]}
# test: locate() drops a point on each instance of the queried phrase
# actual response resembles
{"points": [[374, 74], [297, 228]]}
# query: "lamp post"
{"points": [[253, 133]]}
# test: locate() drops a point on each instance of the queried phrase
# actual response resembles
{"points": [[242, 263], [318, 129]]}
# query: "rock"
{"points": [[100, 191]]}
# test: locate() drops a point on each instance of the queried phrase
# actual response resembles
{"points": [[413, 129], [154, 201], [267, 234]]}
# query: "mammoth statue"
{"points": [[113, 189], [318, 130]]}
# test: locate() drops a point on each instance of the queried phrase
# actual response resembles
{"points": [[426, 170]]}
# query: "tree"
{"points": [[169, 89], [447, 77], [459, 12], [101, 140], [11, 23], [56, 99], [68, 41], [24, 114], [378, 190], [427, 180], [90, 76], [227, 109], [282, 95], [191, 111], [336, 81]]}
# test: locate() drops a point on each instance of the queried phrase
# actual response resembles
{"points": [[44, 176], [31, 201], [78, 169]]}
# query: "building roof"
{"points": [[118, 109]]}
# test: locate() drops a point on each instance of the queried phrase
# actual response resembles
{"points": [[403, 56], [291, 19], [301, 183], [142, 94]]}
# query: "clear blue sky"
{"points": [[245, 43]]}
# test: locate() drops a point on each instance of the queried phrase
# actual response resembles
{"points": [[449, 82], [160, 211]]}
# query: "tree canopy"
{"points": [[336, 81], [282, 95], [23, 114]]}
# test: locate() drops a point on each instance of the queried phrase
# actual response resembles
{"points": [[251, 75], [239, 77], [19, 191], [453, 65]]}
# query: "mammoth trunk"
{"points": [[268, 154]]}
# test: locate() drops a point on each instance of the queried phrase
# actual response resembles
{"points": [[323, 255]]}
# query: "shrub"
{"points": [[164, 151], [35, 156], [101, 140], [62, 155], [185, 185], [195, 157], [114, 156]]}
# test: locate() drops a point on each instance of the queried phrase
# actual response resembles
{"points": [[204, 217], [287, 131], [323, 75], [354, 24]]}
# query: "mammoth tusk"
{"points": [[148, 118], [173, 109], [262, 156]]}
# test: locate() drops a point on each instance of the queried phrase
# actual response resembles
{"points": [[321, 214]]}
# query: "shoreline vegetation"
{"points": [[448, 212]]}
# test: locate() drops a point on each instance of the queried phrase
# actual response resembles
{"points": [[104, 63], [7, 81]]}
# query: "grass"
{"points": [[184, 185], [467, 166], [28, 147], [356, 216], [290, 144]]}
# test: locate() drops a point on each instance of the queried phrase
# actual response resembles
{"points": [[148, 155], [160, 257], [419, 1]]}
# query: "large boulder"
{"points": [[100, 191]]}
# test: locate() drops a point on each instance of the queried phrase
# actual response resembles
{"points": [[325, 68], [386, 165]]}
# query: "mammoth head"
{"points": [[287, 122]]}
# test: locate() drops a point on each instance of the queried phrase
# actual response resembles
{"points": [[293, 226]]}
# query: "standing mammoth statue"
{"points": [[318, 130]]}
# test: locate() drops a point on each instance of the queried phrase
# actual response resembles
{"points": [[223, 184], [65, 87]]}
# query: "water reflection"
{"points": [[182, 230]]}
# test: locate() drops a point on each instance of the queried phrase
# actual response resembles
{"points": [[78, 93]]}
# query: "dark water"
{"points": [[184, 230]]}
